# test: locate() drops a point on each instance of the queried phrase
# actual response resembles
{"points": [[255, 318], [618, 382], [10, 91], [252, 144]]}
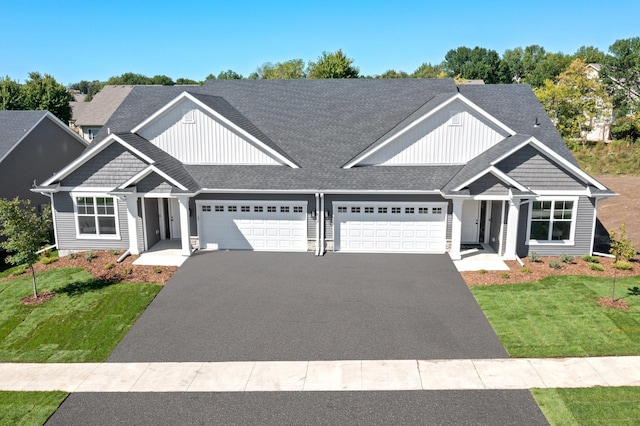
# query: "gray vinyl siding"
{"points": [[66, 227], [488, 185], [494, 227], [154, 183], [110, 167], [583, 233], [44, 151], [536, 171], [310, 199]]}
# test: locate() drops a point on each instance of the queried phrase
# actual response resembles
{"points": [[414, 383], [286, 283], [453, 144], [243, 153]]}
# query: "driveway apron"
{"points": [[259, 306]]}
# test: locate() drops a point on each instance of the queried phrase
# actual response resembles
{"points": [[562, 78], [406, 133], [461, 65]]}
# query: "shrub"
{"points": [[627, 128], [525, 270], [109, 266], [621, 245], [127, 271], [504, 275], [73, 255], [596, 267], [590, 259], [19, 270], [482, 271], [89, 256], [157, 270], [554, 264], [565, 258], [48, 260], [534, 257], [622, 265]]}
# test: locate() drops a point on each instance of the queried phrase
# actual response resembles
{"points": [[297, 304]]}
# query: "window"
{"points": [[368, 209], [297, 209], [409, 210], [355, 209], [232, 208], [271, 209], [551, 220], [396, 209], [436, 210], [96, 216], [423, 210], [245, 209], [258, 209], [206, 208], [284, 209], [219, 208], [342, 209]]}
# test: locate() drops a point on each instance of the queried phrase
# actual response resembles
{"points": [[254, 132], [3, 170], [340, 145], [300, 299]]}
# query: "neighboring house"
{"points": [[33, 146], [600, 125], [397, 165], [89, 117]]}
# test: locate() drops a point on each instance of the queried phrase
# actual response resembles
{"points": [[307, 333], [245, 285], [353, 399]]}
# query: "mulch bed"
{"points": [[43, 296], [608, 302]]}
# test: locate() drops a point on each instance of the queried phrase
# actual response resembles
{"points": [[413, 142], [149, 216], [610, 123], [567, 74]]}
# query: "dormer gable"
{"points": [[443, 131], [202, 129]]}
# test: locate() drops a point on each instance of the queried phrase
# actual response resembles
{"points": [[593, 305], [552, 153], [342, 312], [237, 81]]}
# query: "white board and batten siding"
{"points": [[379, 227], [203, 138], [453, 135], [252, 225]]}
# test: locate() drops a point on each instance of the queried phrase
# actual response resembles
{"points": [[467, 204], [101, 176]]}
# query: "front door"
{"points": [[470, 221], [174, 219]]}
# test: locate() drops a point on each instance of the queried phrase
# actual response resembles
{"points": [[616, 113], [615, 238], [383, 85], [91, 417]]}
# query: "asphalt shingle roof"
{"points": [[14, 125], [99, 109]]}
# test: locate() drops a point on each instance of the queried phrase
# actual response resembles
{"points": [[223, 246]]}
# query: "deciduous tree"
{"points": [[473, 64], [332, 65], [10, 95], [288, 70], [621, 73], [25, 231], [43, 92]]}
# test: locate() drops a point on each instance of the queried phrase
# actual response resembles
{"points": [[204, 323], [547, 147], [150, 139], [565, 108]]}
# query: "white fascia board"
{"points": [[497, 173], [313, 191], [456, 97], [146, 172], [86, 156], [548, 151], [187, 95]]}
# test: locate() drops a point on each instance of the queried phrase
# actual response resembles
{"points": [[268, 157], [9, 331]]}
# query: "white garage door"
{"points": [[390, 227], [253, 225]]}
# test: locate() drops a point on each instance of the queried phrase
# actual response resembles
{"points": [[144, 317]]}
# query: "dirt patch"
{"points": [[104, 266], [43, 296], [608, 302], [534, 271], [624, 208]]}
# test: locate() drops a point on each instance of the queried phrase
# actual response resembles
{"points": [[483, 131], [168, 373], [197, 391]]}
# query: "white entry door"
{"points": [[253, 225], [470, 221], [390, 227], [174, 219]]}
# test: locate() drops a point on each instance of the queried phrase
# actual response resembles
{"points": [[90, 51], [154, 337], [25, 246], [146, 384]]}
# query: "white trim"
{"points": [[217, 115], [312, 191], [92, 152], [593, 226], [554, 193], [574, 220], [457, 97], [501, 241], [53, 216], [549, 152], [80, 236], [497, 173], [146, 172]]}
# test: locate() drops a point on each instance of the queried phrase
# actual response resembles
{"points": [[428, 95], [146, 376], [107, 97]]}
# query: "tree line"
{"points": [[563, 82]]}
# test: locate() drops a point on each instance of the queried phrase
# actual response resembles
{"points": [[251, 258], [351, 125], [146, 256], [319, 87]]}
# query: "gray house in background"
{"points": [[407, 165], [89, 117], [33, 146]]}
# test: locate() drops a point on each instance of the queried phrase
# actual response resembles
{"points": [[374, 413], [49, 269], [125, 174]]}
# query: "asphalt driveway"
{"points": [[257, 306]]}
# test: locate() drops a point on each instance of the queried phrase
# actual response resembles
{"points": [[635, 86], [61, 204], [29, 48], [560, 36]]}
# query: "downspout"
{"points": [[317, 224], [322, 224]]}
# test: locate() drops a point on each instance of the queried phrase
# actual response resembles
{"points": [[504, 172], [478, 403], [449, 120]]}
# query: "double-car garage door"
{"points": [[357, 226]]}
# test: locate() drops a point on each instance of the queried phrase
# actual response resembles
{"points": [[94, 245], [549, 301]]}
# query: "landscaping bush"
{"points": [[525, 270], [554, 264], [89, 256], [591, 259], [504, 275], [534, 257], [109, 266], [622, 265], [19, 270], [73, 255], [127, 271], [48, 260], [565, 258], [482, 271], [596, 267]]}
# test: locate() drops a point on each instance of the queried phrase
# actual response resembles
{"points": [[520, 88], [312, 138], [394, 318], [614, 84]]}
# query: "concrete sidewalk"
{"points": [[368, 375]]}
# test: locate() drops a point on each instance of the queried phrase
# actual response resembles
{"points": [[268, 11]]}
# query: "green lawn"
{"points": [[28, 408], [83, 323], [558, 317], [590, 406]]}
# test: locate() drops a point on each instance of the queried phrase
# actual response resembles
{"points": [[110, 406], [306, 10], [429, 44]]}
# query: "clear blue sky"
{"points": [[77, 40]]}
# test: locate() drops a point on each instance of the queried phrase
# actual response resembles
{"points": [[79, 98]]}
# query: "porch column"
{"points": [[512, 228], [132, 223], [185, 225], [456, 229]]}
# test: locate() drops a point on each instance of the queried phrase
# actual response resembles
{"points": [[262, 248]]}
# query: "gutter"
{"points": [[317, 224], [322, 224]]}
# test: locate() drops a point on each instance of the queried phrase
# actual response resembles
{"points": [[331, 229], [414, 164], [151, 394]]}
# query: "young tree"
{"points": [[622, 249], [43, 92], [25, 231], [332, 65]]}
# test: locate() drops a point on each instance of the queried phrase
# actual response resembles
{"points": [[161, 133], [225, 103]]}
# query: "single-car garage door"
{"points": [[253, 225], [390, 227]]}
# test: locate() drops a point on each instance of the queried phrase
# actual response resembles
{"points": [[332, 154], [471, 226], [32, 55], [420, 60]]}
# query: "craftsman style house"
{"points": [[405, 165]]}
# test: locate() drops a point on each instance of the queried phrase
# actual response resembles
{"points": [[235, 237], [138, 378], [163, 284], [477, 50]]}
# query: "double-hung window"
{"points": [[96, 216], [552, 221]]}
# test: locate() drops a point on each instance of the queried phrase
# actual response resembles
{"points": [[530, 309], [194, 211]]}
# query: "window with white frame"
{"points": [[96, 216], [552, 220]]}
